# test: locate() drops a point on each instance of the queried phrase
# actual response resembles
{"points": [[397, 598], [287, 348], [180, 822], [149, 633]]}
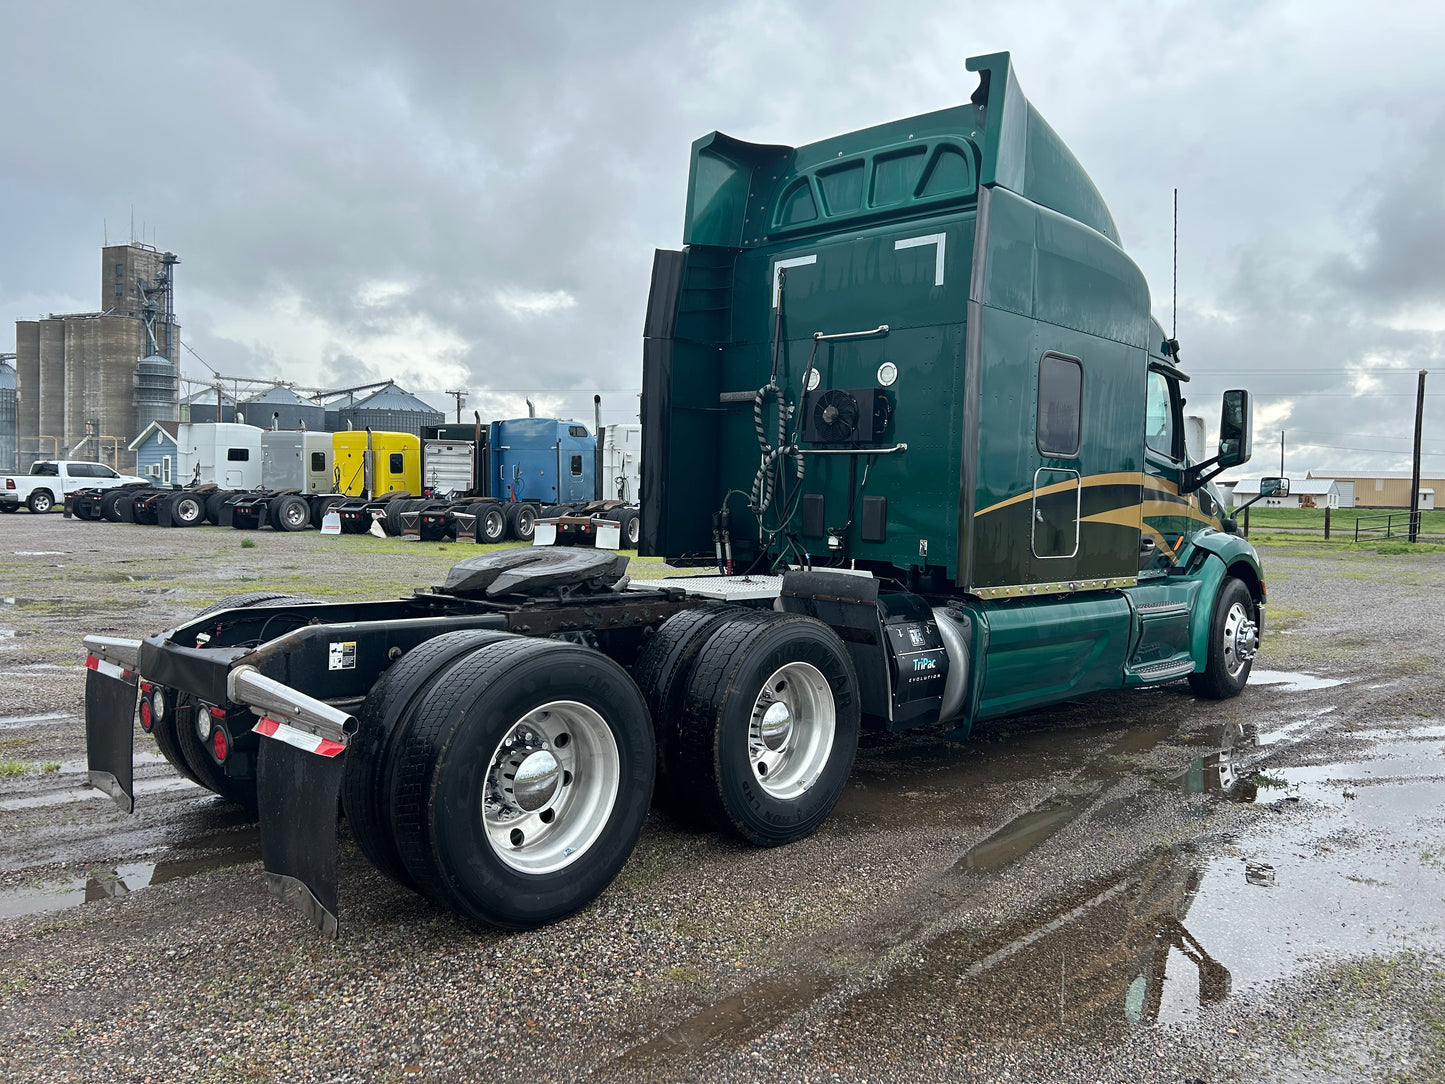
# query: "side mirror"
{"points": [[1236, 430], [1274, 487]]}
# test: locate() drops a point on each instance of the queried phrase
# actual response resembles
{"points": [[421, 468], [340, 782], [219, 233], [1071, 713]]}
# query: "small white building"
{"points": [[1303, 493]]}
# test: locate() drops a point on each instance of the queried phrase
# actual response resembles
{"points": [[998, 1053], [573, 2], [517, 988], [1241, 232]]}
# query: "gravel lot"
{"points": [[1060, 898]]}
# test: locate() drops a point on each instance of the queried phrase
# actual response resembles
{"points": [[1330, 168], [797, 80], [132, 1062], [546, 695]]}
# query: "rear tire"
{"points": [[291, 513], [214, 501], [491, 524], [382, 721], [125, 507], [662, 671], [631, 525], [1233, 642], [522, 520], [108, 505], [187, 510], [769, 727], [41, 501], [523, 782]]}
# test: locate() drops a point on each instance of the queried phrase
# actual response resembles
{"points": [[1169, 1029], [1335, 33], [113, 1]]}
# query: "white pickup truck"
{"points": [[50, 480]]}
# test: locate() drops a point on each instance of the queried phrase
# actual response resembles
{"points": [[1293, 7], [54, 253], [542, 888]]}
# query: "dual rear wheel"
{"points": [[506, 777], [756, 717]]}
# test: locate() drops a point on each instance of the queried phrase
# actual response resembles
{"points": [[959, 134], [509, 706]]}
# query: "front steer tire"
{"points": [[771, 775], [1226, 669], [523, 781]]}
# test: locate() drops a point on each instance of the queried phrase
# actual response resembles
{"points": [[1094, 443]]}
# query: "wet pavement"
{"points": [[1138, 886]]}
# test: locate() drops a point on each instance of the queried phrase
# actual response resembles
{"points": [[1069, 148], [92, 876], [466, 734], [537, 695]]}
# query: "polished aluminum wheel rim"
{"points": [[1241, 639], [791, 734], [550, 787], [293, 514]]}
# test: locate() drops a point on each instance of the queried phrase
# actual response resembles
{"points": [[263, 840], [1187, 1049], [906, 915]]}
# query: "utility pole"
{"points": [[460, 395], [1415, 470], [1281, 453]]}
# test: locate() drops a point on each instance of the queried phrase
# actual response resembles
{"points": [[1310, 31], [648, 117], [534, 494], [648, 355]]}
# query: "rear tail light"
{"points": [[147, 720], [9, 483], [204, 724], [220, 744], [158, 703]]}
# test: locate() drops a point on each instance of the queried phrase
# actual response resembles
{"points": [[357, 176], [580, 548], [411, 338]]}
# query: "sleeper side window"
{"points": [[396, 464], [1159, 416], [238, 455], [318, 462], [576, 466], [1061, 406]]}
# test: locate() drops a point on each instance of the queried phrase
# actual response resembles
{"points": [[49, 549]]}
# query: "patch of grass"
{"points": [[1277, 782], [50, 766], [683, 973], [248, 543], [13, 767], [1392, 549]]}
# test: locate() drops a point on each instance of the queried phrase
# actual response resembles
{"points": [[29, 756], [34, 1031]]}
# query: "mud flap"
{"points": [[299, 795], [110, 730]]}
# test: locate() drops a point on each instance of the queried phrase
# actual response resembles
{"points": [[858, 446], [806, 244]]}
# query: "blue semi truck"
{"points": [[490, 481]]}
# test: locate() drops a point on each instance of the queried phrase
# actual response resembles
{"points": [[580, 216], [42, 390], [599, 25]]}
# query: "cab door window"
{"points": [[1159, 413]]}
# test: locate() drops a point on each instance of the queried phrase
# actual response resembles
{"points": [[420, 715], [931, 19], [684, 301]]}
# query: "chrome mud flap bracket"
{"points": [[110, 692], [299, 771]]}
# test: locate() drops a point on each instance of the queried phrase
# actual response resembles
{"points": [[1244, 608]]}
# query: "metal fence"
{"points": [[1393, 525]]}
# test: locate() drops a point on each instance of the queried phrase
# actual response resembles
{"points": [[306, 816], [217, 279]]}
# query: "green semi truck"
{"points": [[919, 352], [903, 389]]}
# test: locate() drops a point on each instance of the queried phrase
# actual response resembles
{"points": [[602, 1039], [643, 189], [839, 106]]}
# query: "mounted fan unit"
{"points": [[845, 415]]}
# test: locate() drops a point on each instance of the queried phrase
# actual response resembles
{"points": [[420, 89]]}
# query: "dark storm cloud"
{"points": [[1401, 258], [472, 192]]}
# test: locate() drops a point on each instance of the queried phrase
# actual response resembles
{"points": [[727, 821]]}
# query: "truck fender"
{"points": [[1228, 555]]}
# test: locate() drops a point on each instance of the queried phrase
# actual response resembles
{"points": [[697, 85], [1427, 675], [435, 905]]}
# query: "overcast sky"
{"points": [[468, 195]]}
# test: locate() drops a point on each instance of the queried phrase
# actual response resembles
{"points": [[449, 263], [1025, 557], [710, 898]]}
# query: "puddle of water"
{"points": [[121, 880], [90, 794], [18, 722], [39, 553], [1404, 733], [32, 667], [1357, 876], [1292, 682], [1291, 729], [1021, 835]]}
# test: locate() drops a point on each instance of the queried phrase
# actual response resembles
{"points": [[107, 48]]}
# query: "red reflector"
{"points": [[219, 745], [146, 719], [147, 687]]}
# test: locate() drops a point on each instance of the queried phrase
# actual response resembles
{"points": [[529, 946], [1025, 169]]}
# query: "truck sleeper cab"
{"points": [[902, 389]]}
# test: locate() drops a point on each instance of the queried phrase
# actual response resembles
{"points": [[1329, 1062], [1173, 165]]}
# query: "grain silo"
{"points": [[208, 405], [8, 415], [392, 410], [155, 391], [282, 408], [84, 378]]}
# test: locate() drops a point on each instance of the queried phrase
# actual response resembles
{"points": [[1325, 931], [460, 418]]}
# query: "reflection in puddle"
{"points": [[1291, 682], [121, 880]]}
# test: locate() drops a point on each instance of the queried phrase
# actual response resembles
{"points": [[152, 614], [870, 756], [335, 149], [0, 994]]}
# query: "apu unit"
{"points": [[845, 415]]}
